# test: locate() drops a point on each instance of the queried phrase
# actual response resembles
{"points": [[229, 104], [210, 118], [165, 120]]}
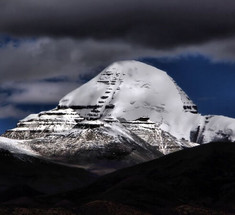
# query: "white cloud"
{"points": [[47, 58], [70, 58], [38, 92], [12, 111]]}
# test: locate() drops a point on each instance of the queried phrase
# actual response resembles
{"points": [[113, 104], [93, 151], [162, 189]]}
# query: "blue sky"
{"points": [[209, 84], [59, 45]]}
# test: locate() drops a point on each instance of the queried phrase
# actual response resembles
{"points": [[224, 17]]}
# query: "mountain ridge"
{"points": [[130, 113], [197, 180]]}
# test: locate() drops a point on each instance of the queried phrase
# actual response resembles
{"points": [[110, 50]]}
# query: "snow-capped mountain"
{"points": [[132, 90], [130, 111]]}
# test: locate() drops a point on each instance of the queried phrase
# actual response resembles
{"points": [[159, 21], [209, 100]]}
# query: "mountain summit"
{"points": [[129, 113], [131, 90]]}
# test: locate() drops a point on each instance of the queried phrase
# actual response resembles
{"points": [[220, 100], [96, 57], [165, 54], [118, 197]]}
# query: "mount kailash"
{"points": [[129, 113]]}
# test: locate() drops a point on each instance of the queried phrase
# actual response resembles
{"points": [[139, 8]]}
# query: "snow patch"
{"points": [[16, 146]]}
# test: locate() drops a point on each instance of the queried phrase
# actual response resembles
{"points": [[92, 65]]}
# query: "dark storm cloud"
{"points": [[70, 39], [162, 24]]}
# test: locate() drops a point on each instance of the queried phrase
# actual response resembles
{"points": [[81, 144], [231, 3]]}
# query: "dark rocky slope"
{"points": [[23, 175], [200, 178]]}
